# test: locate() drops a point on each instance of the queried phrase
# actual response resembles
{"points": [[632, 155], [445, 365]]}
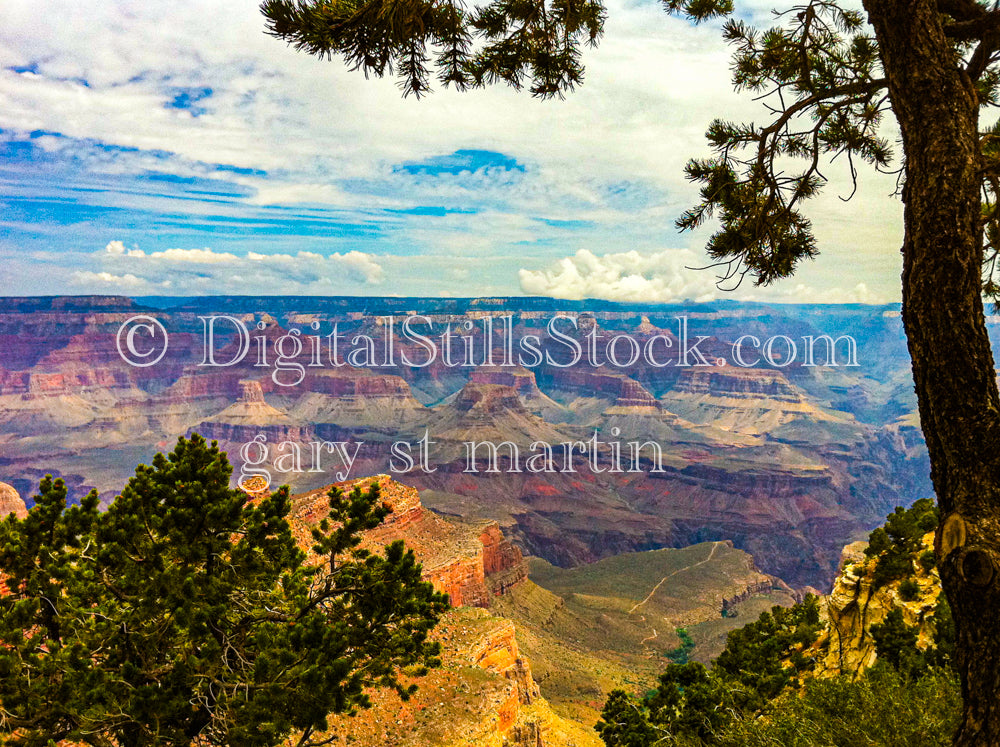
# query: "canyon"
{"points": [[529, 651], [788, 462]]}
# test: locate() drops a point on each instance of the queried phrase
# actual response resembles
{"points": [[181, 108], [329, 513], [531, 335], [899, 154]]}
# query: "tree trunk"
{"points": [[937, 109]]}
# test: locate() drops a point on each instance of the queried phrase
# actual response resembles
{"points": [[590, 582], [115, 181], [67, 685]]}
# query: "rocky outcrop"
{"points": [[212, 385], [489, 412], [633, 394], [503, 564], [354, 397], [524, 735], [522, 381], [601, 382], [518, 378], [471, 563], [497, 652], [250, 416], [251, 409], [356, 383], [11, 502], [735, 382], [856, 603], [468, 562], [752, 589], [483, 695], [488, 399], [748, 400]]}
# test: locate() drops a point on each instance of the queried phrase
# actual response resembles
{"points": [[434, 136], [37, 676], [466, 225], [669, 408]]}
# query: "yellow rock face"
{"points": [[853, 606]]}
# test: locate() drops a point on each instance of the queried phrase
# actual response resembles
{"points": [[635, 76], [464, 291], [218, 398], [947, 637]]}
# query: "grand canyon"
{"points": [[789, 462], [682, 496]]}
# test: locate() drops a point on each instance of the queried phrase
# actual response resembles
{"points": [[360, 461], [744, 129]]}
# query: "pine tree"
{"points": [[186, 614]]}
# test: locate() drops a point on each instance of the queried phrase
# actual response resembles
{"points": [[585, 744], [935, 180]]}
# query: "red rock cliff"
{"points": [[469, 563]]}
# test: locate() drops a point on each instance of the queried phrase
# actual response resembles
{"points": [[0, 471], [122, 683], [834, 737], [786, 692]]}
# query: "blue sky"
{"points": [[178, 150]]}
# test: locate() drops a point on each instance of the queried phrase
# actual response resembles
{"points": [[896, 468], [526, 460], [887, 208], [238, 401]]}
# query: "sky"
{"points": [[176, 149]]}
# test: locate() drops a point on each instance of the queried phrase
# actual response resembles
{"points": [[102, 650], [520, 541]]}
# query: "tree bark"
{"points": [[937, 109]]}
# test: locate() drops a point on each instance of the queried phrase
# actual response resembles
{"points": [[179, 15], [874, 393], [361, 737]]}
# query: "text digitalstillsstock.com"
{"points": [[490, 341], [261, 459]]}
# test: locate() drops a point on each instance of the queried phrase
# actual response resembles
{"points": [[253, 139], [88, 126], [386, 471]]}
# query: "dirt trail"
{"points": [[711, 554]]}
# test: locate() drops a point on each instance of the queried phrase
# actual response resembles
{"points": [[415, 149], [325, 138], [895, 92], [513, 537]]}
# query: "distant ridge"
{"points": [[384, 304]]}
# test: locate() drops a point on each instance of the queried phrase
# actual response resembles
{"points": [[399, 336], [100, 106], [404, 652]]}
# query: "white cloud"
{"points": [[801, 293], [668, 276], [659, 277], [195, 256], [201, 269], [118, 249], [106, 281]]}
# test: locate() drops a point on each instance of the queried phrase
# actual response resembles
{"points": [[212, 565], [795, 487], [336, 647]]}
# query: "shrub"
{"points": [[680, 654], [882, 709], [900, 538], [909, 590], [927, 560]]}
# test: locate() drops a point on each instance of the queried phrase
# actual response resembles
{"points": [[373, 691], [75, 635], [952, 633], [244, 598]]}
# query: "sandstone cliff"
{"points": [[522, 380], [243, 420], [10, 502], [490, 412], [355, 397], [483, 695], [856, 603], [471, 562]]}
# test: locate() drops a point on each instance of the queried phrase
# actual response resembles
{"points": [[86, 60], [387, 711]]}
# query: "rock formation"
{"points": [[739, 445], [243, 420], [501, 705], [355, 397], [748, 400], [11, 502], [522, 380], [490, 412], [483, 695], [856, 603], [470, 562]]}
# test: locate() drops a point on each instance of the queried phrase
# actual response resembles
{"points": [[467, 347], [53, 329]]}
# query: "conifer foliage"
{"points": [[186, 613], [509, 41]]}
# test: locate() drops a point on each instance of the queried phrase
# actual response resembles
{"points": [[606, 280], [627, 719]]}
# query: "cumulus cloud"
{"points": [[118, 249], [658, 277], [193, 256], [669, 276], [105, 281], [801, 293], [205, 269]]}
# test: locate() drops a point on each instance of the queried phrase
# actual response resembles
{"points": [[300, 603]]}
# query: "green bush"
{"points": [[757, 692], [882, 709], [694, 702], [909, 590], [927, 560], [898, 541], [757, 654], [680, 654]]}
